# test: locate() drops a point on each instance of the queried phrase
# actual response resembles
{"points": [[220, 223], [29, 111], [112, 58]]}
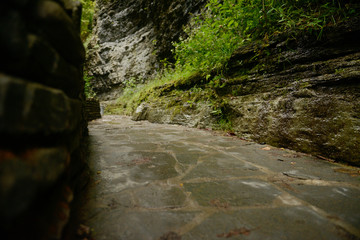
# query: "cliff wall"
{"points": [[41, 116], [130, 39]]}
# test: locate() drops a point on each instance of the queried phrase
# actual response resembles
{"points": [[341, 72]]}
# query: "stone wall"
{"points": [[92, 109], [41, 115], [130, 37]]}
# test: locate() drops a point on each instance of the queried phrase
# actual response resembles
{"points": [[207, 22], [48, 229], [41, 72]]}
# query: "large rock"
{"points": [[131, 37]]}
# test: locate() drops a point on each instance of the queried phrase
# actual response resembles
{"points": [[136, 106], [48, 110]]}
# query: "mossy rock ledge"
{"points": [[302, 94]]}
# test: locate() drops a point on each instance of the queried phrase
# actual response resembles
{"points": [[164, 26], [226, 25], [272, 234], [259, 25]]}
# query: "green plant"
{"points": [[224, 124], [225, 25], [88, 11], [89, 93]]}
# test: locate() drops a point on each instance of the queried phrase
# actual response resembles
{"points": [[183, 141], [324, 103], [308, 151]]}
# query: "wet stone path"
{"points": [[153, 181]]}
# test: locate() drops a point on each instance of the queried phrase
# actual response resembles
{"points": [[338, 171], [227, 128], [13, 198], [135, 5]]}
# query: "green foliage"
{"points": [[225, 25], [134, 94], [89, 93], [88, 10]]}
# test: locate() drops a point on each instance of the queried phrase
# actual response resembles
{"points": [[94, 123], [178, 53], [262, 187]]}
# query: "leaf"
{"points": [[230, 23]]}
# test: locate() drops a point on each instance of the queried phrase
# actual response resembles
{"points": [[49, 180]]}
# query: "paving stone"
{"points": [[138, 225], [295, 223], [250, 192], [339, 201], [222, 166], [297, 165], [159, 197], [188, 158], [184, 147]]}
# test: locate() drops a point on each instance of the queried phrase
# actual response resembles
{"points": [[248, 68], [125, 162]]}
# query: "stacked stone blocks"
{"points": [[42, 120]]}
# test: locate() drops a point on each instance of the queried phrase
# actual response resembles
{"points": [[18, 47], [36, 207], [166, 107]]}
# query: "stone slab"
{"points": [[341, 202], [296, 223], [249, 192]]}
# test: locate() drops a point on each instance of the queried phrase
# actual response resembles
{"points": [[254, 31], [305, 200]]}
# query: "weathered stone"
{"points": [[46, 66], [13, 44], [332, 199], [41, 116], [92, 109], [30, 108], [74, 10], [50, 15], [29, 56], [23, 176]]}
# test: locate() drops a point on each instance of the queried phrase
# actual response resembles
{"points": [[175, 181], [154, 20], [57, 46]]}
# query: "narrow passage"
{"points": [[152, 181]]}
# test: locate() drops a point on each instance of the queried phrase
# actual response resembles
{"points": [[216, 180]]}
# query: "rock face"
{"points": [[301, 94], [41, 115], [130, 37], [312, 105]]}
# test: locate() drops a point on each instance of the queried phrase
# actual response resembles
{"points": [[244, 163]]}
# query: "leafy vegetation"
{"points": [[89, 93], [88, 10], [226, 25]]}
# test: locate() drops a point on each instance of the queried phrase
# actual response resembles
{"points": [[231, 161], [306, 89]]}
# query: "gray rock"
{"points": [[140, 113]]}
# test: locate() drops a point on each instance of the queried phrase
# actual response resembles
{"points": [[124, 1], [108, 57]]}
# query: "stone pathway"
{"points": [[154, 181]]}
